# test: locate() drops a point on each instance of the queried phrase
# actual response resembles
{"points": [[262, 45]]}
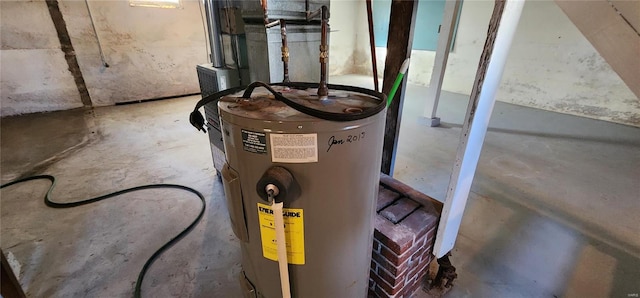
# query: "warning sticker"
{"points": [[254, 142], [294, 148], [293, 231]]}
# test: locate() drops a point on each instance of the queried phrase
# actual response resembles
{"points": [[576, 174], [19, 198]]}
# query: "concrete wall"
{"points": [[342, 41], [349, 49], [34, 76], [151, 53], [612, 29], [551, 64]]}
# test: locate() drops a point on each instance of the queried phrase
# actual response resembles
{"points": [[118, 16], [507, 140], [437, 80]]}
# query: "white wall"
{"points": [[551, 65], [341, 41], [34, 75], [151, 52]]}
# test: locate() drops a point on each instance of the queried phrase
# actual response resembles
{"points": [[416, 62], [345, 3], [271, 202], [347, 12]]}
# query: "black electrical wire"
{"points": [[157, 253], [197, 120]]}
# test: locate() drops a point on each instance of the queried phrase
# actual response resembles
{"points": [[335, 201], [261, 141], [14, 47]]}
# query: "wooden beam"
{"points": [[69, 53], [401, 28], [502, 29]]}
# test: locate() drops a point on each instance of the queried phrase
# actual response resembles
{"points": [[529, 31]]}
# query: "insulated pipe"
{"points": [[213, 15], [323, 89]]}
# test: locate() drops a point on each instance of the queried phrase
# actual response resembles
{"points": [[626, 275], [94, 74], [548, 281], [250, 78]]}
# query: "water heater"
{"points": [[322, 154]]}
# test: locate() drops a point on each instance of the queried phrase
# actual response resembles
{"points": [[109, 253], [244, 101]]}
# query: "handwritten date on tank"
{"points": [[333, 140]]}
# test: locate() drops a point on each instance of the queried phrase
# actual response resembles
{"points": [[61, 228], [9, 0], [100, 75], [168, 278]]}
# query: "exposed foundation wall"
{"points": [[34, 75], [151, 53], [342, 41], [551, 65]]}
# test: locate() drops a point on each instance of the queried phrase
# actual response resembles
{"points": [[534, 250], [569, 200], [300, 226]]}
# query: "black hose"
{"points": [[157, 253]]}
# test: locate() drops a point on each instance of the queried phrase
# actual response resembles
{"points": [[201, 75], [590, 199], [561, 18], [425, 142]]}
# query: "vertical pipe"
{"points": [[264, 10], [93, 26], [372, 43], [323, 89], [285, 50], [213, 15], [483, 98]]}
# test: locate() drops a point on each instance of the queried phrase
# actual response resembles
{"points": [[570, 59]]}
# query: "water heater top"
{"points": [[262, 104]]}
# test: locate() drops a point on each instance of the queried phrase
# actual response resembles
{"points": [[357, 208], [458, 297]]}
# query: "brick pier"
{"points": [[404, 234]]}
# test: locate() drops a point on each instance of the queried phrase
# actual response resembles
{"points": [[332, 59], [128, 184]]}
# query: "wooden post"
{"points": [[502, 29], [451, 10], [10, 285], [401, 28]]}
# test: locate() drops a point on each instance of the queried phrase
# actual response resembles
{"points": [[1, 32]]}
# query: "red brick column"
{"points": [[403, 240]]}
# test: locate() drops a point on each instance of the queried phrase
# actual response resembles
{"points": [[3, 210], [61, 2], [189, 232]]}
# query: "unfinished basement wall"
{"points": [[34, 75], [551, 65], [342, 42], [151, 52]]}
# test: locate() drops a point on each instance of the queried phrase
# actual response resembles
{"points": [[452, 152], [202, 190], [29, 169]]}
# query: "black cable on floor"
{"points": [[157, 253]]}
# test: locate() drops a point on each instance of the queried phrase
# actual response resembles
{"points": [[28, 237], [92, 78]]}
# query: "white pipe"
{"points": [[465, 168], [283, 264]]}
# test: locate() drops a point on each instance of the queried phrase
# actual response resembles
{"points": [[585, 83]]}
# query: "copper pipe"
{"points": [[323, 89], [263, 3], [372, 43], [285, 50]]}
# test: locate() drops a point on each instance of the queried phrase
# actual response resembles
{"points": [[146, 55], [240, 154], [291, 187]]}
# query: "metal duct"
{"points": [[212, 12]]}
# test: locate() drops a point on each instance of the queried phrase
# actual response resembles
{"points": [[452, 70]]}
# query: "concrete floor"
{"points": [[553, 210]]}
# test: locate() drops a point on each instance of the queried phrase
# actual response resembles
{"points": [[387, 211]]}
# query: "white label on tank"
{"points": [[294, 148]]}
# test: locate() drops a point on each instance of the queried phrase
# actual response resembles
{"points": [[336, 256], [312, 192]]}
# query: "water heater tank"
{"points": [[332, 149]]}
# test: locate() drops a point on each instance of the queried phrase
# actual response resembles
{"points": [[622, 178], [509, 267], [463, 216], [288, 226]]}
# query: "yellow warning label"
{"points": [[293, 230]]}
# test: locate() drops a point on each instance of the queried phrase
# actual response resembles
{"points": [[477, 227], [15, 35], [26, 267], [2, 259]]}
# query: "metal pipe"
{"points": [[213, 15], [272, 24], [264, 11], [104, 61], [235, 48], [313, 14], [285, 50], [372, 43], [323, 89]]}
